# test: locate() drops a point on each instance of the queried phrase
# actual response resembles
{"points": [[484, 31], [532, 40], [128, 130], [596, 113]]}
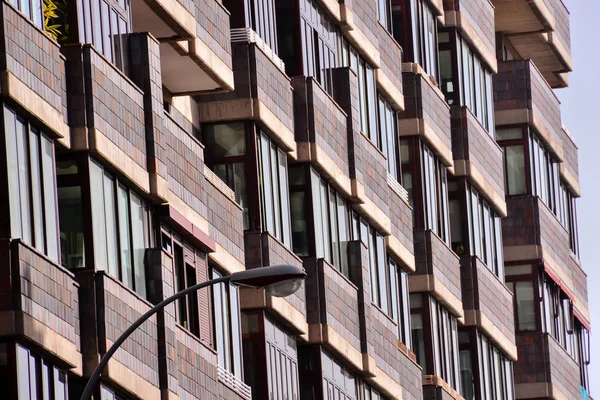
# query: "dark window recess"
{"points": [[106, 24], [31, 184], [226, 313], [415, 28]]}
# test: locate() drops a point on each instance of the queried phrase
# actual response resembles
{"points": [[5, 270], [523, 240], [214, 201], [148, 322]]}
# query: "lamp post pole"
{"points": [[96, 374], [278, 280]]}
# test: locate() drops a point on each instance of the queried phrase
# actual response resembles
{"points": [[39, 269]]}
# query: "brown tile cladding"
{"points": [[519, 85], [365, 17], [33, 58], [401, 217], [391, 56], [580, 284], [471, 141], [333, 300], [482, 290], [571, 155], [480, 15], [212, 26], [542, 359], [33, 285], [318, 119], [422, 101], [562, 20], [117, 308], [530, 222], [434, 257]]}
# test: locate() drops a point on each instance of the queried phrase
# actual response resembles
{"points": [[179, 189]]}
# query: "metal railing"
{"points": [[248, 35]]}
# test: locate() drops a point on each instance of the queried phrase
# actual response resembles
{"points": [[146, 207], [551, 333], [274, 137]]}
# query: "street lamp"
{"points": [[277, 280]]}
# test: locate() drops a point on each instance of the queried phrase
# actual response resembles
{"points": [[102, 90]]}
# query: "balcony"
{"points": [[321, 131], [33, 73], [195, 51], [262, 250], [543, 367], [426, 114], [478, 156], [473, 20], [40, 302], [539, 30], [359, 24], [262, 91], [110, 309], [437, 271], [580, 290], [400, 242], [532, 232], [389, 75], [333, 311], [488, 304], [569, 168], [522, 96]]}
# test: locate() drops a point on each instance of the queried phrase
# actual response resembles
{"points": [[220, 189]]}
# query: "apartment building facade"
{"points": [[408, 154]]}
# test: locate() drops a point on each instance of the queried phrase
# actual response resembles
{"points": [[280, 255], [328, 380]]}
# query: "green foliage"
{"points": [[55, 19]]}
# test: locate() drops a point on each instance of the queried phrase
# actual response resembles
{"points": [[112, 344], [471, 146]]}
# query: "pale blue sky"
{"points": [[580, 114]]}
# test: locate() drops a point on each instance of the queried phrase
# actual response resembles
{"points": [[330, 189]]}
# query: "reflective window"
{"points": [[38, 379]]}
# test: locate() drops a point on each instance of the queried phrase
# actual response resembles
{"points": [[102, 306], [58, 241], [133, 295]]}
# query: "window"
{"points": [[367, 392], [384, 13], [120, 227], [465, 78], [420, 166], [415, 28], [31, 184], [282, 367], [389, 137], [39, 379], [338, 381], [32, 9], [485, 232], [581, 354], [226, 315], [431, 321], [105, 24], [263, 21], [274, 186], [495, 372], [107, 393], [367, 96], [332, 224]]}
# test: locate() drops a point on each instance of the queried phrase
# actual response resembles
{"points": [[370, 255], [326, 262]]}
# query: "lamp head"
{"points": [[278, 280]]}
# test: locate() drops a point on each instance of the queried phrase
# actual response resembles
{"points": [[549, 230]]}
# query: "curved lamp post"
{"points": [[278, 280]]}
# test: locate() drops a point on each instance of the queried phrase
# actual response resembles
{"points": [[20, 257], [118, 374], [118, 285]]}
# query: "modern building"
{"points": [[408, 154]]}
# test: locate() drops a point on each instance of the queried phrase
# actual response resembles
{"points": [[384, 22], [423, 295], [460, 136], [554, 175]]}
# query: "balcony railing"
{"points": [[233, 383]]}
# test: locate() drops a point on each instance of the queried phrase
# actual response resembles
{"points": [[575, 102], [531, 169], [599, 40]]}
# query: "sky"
{"points": [[580, 111]]}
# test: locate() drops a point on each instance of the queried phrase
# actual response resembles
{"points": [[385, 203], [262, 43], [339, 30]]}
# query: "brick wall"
{"points": [[33, 58], [470, 141], [480, 15], [115, 106], [401, 217], [212, 27], [424, 102], [391, 56], [541, 359], [318, 119], [434, 257], [117, 309], [482, 290]]}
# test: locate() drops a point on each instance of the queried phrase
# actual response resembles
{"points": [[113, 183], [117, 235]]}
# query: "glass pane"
{"points": [[525, 305], [225, 140], [23, 373], [60, 385], [327, 228], [37, 191], [515, 170], [285, 202], [236, 333], [418, 339], [277, 206], [509, 133], [111, 226], [46, 381], [48, 178], [107, 49], [25, 194], [266, 182], [98, 216], [218, 314], [125, 237], [320, 222], [71, 227], [14, 200], [139, 243]]}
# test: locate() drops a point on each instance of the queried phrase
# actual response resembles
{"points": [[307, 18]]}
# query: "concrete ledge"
{"points": [[282, 134], [573, 182], [211, 63], [175, 15], [539, 390], [431, 284], [397, 248], [313, 153], [101, 145], [420, 127], [251, 298], [38, 107], [326, 335], [497, 200], [480, 320], [225, 260], [434, 380], [129, 380], [393, 94], [367, 206]]}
